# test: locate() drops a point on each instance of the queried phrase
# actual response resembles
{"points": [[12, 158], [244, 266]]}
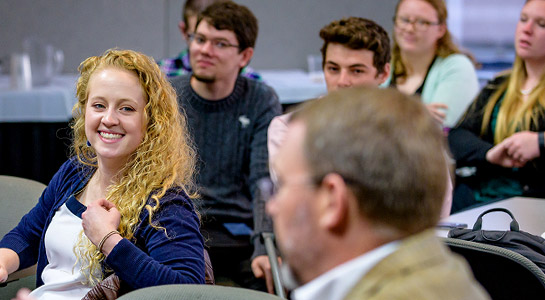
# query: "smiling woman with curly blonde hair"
{"points": [[122, 201]]}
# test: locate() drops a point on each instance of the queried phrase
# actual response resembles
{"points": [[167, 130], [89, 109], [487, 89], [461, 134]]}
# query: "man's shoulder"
{"points": [[180, 81], [181, 84], [421, 268], [258, 91], [280, 122], [254, 83]]}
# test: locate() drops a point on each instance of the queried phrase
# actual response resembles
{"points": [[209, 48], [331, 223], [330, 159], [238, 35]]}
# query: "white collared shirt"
{"points": [[336, 283]]}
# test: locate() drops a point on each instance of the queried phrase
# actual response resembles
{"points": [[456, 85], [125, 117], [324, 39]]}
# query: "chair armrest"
{"points": [[21, 274]]}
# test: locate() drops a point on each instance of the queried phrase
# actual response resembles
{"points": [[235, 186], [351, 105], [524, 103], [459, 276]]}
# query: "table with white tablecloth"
{"points": [[34, 127], [34, 123], [294, 85], [50, 103], [529, 213]]}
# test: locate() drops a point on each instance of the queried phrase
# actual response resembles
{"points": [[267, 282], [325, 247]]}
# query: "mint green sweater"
{"points": [[451, 80]]}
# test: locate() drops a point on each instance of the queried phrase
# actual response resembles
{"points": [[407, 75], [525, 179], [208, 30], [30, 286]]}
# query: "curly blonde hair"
{"points": [[165, 159]]}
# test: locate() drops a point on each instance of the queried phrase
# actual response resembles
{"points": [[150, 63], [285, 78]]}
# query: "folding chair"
{"points": [[266, 187], [18, 195], [196, 291]]}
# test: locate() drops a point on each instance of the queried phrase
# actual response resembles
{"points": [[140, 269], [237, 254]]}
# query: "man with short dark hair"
{"points": [[356, 51], [180, 64], [228, 116], [360, 183]]}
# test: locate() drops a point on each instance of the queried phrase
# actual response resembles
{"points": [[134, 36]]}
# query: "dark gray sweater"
{"points": [[231, 140]]}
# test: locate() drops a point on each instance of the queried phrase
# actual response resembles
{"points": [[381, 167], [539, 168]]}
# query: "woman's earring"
{"points": [[88, 143]]}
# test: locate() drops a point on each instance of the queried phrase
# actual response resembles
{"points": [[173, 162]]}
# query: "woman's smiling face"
{"points": [[114, 115]]}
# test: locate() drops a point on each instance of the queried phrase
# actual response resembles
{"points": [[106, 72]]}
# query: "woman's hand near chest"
{"points": [[101, 218]]}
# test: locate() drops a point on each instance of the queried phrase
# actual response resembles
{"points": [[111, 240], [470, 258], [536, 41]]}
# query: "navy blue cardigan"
{"points": [[150, 259]]}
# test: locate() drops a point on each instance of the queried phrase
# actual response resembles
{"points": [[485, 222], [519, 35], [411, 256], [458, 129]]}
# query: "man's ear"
{"points": [[246, 56], [183, 30], [333, 203], [385, 74]]}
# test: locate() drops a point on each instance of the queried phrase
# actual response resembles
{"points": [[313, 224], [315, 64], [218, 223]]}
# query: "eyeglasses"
{"points": [[268, 189], [419, 24], [297, 181], [219, 44]]}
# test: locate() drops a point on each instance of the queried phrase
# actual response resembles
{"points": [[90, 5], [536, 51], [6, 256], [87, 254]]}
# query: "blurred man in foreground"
{"points": [[360, 188]]}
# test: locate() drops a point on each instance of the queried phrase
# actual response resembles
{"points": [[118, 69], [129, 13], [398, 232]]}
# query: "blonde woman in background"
{"points": [[121, 203], [426, 62], [501, 134]]}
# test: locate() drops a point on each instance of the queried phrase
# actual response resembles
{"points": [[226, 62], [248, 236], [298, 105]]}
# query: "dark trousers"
{"points": [[231, 257]]}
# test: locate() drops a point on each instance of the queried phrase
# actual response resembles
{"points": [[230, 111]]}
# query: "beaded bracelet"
{"points": [[109, 234], [541, 143]]}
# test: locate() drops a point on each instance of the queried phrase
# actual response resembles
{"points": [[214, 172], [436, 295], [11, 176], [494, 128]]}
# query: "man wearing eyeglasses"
{"points": [[228, 116], [358, 194], [180, 64]]}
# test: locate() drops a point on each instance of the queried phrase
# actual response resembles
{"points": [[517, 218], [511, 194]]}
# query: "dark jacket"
{"points": [[469, 147]]}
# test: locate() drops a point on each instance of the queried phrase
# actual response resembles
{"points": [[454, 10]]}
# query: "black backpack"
{"points": [[528, 245]]}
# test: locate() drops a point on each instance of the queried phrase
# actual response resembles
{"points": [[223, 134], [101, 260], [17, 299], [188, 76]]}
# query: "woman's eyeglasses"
{"points": [[419, 24]]}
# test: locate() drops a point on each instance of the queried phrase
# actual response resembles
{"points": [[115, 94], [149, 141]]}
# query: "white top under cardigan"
{"points": [[62, 277]]}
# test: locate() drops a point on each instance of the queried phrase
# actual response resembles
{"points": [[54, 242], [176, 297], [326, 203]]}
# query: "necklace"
{"points": [[526, 92]]}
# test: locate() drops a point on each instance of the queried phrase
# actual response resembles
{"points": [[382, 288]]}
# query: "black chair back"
{"points": [[504, 274]]}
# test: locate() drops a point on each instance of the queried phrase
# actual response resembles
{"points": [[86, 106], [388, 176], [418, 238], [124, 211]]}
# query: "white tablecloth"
{"points": [[51, 103], [529, 213], [293, 86], [54, 102]]}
